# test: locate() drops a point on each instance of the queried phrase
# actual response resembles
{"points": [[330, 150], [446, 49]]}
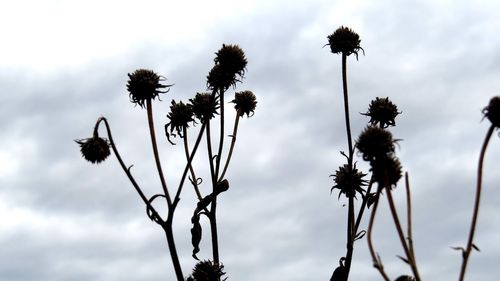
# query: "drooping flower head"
{"points": [[383, 112], [229, 68], [144, 84], [244, 103], [375, 143], [492, 111], [180, 115], [204, 106], [344, 41], [349, 181], [207, 271], [94, 149]]}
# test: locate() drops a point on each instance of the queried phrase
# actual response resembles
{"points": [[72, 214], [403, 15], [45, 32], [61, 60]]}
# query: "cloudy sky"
{"points": [[65, 63]]}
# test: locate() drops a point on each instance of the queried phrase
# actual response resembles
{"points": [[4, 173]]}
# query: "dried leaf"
{"points": [[196, 232]]}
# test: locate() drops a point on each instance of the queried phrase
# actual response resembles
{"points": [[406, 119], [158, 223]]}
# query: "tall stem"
{"points": [[167, 227], [149, 108], [350, 212], [376, 260], [221, 138], [233, 142], [470, 242], [409, 219], [213, 205]]}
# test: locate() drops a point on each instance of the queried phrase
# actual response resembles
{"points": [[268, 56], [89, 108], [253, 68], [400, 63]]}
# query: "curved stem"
{"points": [[363, 206], [233, 142], [470, 242], [346, 107], [377, 263], [399, 229], [149, 108], [124, 167], [191, 169], [213, 206]]}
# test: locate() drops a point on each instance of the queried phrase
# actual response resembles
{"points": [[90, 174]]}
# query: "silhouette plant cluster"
{"points": [[206, 109], [375, 144]]}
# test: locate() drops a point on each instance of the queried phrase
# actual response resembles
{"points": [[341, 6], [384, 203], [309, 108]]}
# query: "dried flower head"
{"points": [[349, 181], [94, 149], [230, 62], [204, 106], [180, 115], [375, 143], [207, 271], [492, 111], [344, 41], [339, 274], [244, 103], [382, 111], [144, 84], [386, 171], [232, 59]]}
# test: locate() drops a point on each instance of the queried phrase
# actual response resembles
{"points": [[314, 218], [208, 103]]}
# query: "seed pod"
{"points": [[94, 149], [244, 102], [144, 84], [344, 41], [382, 111], [492, 111]]}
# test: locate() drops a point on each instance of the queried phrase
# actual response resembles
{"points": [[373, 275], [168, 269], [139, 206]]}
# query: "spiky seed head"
{"points": [[386, 171], [374, 143], [207, 271], [232, 59], [144, 84], [204, 106], [492, 111], [349, 181], [94, 149], [382, 112], [180, 115], [245, 103], [344, 40]]}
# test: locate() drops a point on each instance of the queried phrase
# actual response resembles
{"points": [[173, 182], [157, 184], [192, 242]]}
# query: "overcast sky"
{"points": [[65, 63]]}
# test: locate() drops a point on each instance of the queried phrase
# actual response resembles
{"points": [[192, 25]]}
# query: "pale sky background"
{"points": [[65, 63]]}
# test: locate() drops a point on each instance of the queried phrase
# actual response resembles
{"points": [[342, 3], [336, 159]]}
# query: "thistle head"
{"points": [[144, 84], [94, 149], [229, 68], [492, 111], [207, 271], [244, 103], [349, 181], [386, 171], [375, 143], [180, 115], [382, 112], [344, 41], [204, 106]]}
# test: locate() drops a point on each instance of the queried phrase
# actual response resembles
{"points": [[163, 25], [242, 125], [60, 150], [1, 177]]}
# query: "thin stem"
{"points": [[191, 169], [233, 142], [350, 212], [124, 167], [470, 243], [213, 205], [399, 229], [409, 219], [363, 206], [167, 227], [221, 138], [377, 263], [149, 108]]}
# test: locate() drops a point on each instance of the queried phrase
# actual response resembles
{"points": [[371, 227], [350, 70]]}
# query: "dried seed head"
{"points": [[375, 143], [94, 149], [229, 68], [382, 111], [349, 181], [232, 59], [244, 102], [207, 271], [204, 106], [492, 111], [386, 171], [339, 274], [180, 115], [344, 41], [144, 84]]}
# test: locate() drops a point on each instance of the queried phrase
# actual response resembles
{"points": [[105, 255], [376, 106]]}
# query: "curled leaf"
{"points": [[196, 232]]}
